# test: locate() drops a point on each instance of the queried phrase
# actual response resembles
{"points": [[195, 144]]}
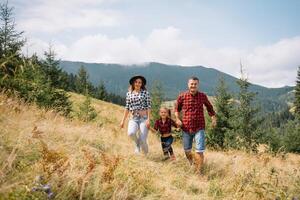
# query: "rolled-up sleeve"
{"points": [[148, 100], [127, 101], [178, 105], [209, 107]]}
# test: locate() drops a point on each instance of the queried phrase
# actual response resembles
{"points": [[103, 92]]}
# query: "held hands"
{"points": [[178, 122], [148, 123]]}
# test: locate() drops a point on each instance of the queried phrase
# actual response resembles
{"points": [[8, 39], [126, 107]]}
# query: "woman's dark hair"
{"points": [[131, 86]]}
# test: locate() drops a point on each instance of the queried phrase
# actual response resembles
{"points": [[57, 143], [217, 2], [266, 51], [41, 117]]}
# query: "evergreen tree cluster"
{"points": [[240, 125], [80, 83], [40, 80]]}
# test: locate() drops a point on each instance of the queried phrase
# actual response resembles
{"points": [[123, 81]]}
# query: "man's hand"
{"points": [[213, 121], [178, 122]]}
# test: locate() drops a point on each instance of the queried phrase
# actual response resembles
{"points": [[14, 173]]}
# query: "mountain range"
{"points": [[174, 79]]}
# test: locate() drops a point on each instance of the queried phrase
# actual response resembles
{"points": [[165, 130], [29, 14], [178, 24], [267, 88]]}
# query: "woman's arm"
{"points": [[126, 112], [148, 103], [148, 118]]}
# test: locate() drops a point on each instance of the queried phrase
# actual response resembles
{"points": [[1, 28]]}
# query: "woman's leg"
{"points": [[132, 130], [143, 136]]}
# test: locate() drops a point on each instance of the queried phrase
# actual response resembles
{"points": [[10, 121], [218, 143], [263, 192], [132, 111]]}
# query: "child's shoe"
{"points": [[166, 157]]}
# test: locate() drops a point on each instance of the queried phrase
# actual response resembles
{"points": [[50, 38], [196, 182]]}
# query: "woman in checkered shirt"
{"points": [[138, 105]]}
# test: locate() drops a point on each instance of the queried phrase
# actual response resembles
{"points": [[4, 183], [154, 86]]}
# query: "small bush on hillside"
{"points": [[86, 111], [291, 138]]}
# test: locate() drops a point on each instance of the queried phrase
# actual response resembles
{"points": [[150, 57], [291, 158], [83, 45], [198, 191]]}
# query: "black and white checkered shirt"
{"points": [[138, 101]]}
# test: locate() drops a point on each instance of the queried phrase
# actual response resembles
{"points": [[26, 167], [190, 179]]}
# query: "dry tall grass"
{"points": [[96, 161]]}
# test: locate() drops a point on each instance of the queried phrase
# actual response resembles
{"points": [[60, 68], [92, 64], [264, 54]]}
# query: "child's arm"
{"points": [[155, 128]]}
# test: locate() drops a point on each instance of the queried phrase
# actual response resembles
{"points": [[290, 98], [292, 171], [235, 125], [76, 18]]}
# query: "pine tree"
{"points": [[101, 92], [224, 107], [11, 42], [116, 99], [246, 122], [157, 97], [297, 95], [81, 80], [72, 82], [52, 70], [86, 111]]}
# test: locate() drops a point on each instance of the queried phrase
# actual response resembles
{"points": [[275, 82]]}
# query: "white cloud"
{"points": [[55, 16], [272, 65]]}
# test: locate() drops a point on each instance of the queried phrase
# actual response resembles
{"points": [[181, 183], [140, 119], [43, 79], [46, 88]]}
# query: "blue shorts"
{"points": [[199, 138]]}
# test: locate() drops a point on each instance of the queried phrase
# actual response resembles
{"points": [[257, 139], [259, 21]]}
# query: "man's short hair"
{"points": [[194, 78]]}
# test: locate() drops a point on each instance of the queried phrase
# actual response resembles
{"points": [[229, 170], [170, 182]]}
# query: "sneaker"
{"points": [[173, 158], [137, 150]]}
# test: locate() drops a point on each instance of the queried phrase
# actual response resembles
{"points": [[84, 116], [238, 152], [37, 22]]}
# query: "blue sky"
{"points": [[263, 34]]}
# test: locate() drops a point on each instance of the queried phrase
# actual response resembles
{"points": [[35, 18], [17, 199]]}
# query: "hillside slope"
{"points": [[96, 161]]}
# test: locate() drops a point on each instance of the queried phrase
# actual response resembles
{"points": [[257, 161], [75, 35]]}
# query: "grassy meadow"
{"points": [[95, 160]]}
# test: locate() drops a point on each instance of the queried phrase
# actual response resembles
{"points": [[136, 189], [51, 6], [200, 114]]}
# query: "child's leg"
{"points": [[164, 149], [171, 151], [172, 155]]}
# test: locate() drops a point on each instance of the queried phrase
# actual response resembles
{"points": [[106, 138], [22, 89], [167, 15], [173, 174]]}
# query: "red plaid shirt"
{"points": [[192, 110], [164, 127]]}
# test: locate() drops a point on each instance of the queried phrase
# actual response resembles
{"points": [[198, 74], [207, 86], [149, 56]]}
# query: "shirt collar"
{"points": [[193, 94]]}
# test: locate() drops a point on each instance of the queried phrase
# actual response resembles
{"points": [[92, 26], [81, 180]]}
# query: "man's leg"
{"points": [[187, 145], [200, 148], [199, 159]]}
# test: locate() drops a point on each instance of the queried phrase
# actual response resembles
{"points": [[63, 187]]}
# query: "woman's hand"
{"points": [[122, 124], [148, 123]]}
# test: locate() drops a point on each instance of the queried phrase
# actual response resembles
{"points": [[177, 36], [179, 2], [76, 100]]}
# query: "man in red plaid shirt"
{"points": [[191, 103]]}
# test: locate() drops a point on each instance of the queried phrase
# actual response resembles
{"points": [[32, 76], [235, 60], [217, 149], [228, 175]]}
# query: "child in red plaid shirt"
{"points": [[164, 126]]}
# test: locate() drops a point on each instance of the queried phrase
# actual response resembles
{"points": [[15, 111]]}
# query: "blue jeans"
{"points": [[138, 123], [199, 138], [166, 144]]}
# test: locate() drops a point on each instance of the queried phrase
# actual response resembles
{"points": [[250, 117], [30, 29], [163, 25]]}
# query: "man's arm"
{"points": [[177, 119], [210, 110], [178, 107]]}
